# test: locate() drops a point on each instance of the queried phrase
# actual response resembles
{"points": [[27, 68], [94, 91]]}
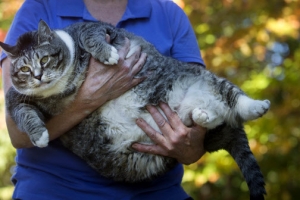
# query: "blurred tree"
{"points": [[255, 44]]}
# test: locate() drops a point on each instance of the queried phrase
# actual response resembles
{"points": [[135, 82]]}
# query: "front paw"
{"points": [[40, 140], [113, 57]]}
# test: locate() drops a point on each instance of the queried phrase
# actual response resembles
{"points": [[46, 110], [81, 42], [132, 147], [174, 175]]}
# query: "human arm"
{"points": [[102, 83]]}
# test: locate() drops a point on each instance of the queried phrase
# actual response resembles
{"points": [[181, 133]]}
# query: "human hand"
{"points": [[177, 141], [104, 83]]}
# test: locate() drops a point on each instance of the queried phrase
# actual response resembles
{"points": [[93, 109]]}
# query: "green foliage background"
{"points": [[255, 44]]}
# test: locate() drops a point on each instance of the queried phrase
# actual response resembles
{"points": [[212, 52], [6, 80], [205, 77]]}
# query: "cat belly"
{"points": [[122, 163], [120, 114], [195, 101]]}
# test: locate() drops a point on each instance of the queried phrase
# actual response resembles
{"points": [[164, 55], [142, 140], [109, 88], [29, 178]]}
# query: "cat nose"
{"points": [[37, 73], [39, 77]]}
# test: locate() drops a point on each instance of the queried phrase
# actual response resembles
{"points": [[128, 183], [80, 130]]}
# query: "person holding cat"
{"points": [[54, 172]]}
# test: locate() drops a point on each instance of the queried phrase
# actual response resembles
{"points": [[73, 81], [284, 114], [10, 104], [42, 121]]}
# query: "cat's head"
{"points": [[39, 60]]}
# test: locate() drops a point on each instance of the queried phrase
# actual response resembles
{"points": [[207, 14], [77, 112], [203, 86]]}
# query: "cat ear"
{"points": [[11, 51], [44, 32]]}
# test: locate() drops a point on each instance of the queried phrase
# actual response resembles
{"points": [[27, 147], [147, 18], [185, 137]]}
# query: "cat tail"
{"points": [[248, 165], [234, 140]]}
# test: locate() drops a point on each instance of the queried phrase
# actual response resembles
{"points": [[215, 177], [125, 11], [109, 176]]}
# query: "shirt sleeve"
{"points": [[185, 46]]}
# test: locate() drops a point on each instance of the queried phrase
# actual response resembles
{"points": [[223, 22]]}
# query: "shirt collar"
{"points": [[76, 8]]}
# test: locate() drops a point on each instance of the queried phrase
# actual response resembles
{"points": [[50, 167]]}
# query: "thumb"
{"points": [[199, 129], [107, 38]]}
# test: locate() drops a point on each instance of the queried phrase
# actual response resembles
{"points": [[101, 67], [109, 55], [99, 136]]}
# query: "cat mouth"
{"points": [[43, 83]]}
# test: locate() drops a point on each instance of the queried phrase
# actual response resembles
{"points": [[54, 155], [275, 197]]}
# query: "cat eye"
{"points": [[44, 60], [25, 69]]}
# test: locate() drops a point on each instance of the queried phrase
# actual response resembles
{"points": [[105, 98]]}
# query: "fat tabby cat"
{"points": [[48, 66]]}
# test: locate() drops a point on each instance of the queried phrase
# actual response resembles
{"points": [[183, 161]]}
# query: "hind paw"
{"points": [[252, 109], [199, 116], [259, 108]]}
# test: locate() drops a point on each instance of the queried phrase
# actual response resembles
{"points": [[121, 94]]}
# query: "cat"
{"points": [[48, 66]]}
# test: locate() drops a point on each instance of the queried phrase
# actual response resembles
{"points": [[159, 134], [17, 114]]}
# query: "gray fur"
{"points": [[104, 138]]}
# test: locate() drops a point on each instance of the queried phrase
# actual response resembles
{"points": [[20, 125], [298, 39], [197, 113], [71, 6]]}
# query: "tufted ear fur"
{"points": [[11, 51], [44, 32]]}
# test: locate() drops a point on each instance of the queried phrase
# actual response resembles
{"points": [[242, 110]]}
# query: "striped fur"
{"points": [[104, 138]]}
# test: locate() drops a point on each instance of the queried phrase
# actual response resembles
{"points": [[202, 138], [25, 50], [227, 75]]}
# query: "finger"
{"points": [[201, 131], [161, 122], [107, 38], [155, 136], [139, 64], [157, 116], [123, 51], [172, 116], [136, 81], [133, 59], [135, 54], [151, 149]]}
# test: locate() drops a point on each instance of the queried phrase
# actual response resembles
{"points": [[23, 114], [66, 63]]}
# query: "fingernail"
{"points": [[161, 103], [148, 107], [130, 148], [139, 120]]}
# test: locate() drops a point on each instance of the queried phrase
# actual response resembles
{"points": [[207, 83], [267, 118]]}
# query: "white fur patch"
{"points": [[250, 109], [114, 57], [200, 116], [133, 48], [194, 101], [68, 41], [43, 141], [121, 114]]}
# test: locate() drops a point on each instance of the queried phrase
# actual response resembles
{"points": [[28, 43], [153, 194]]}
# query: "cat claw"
{"points": [[114, 57]]}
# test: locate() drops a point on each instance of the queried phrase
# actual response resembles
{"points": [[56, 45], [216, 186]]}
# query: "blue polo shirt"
{"points": [[56, 173]]}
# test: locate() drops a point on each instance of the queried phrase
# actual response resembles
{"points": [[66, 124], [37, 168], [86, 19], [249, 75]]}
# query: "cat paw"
{"points": [[199, 116], [43, 140], [114, 57], [250, 109], [259, 108]]}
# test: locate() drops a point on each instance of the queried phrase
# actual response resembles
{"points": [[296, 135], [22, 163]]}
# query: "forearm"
{"points": [[18, 139], [70, 117], [57, 126]]}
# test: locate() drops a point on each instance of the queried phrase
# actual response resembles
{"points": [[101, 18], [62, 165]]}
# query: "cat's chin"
{"points": [[44, 85], [42, 90]]}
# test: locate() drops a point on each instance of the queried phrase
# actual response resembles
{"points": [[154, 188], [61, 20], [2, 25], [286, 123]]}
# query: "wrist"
{"points": [[86, 106], [63, 122]]}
